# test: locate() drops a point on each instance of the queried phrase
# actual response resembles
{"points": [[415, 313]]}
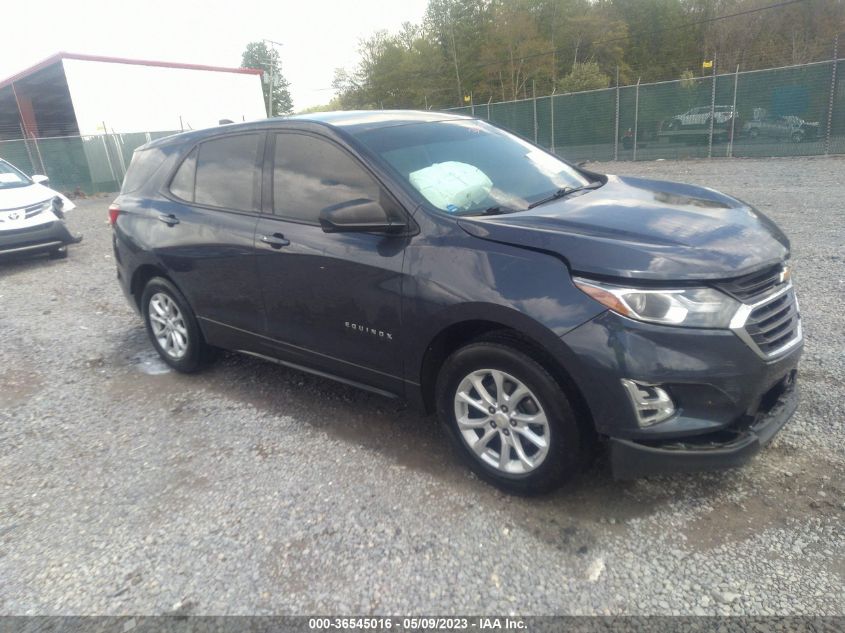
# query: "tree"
{"points": [[514, 54], [690, 86], [331, 106], [266, 58], [583, 76], [459, 28], [500, 49]]}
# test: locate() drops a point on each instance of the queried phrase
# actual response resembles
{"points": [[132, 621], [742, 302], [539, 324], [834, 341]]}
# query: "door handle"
{"points": [[168, 219], [277, 240]]}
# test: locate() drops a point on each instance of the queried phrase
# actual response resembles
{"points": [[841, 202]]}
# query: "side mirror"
{"points": [[40, 179], [359, 216]]}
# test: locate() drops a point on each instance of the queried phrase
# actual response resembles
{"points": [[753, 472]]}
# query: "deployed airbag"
{"points": [[452, 186]]}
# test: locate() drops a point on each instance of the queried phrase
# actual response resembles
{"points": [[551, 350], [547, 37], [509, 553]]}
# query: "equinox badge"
{"points": [[387, 336]]}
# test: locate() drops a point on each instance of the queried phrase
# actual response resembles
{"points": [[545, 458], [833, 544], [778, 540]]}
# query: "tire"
{"points": [[545, 401], [797, 137], [59, 253], [175, 334]]}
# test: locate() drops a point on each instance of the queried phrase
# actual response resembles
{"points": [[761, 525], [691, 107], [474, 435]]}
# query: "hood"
{"points": [[17, 197], [644, 229]]}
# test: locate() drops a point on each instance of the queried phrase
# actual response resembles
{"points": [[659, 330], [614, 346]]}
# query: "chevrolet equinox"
{"points": [[540, 309]]}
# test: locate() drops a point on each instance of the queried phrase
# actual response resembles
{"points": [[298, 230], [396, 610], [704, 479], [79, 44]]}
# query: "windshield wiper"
{"points": [[496, 210], [564, 191]]}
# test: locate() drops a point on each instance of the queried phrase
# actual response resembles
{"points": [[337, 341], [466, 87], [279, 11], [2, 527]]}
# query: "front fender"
{"points": [[456, 278]]}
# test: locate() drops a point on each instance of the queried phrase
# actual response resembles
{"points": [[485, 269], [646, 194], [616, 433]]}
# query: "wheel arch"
{"points": [[141, 276], [461, 333]]}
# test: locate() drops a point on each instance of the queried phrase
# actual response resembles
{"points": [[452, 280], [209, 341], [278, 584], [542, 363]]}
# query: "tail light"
{"points": [[114, 211]]}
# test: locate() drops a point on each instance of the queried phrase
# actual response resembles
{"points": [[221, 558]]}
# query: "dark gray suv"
{"points": [[542, 310]]}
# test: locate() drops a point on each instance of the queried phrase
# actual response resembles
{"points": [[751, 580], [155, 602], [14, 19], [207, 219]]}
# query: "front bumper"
{"points": [[48, 236], [728, 399], [728, 448]]}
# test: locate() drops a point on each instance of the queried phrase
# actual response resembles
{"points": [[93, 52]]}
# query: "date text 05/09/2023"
{"points": [[417, 623]]}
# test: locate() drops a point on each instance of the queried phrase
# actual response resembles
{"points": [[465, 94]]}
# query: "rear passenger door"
{"points": [[332, 300], [207, 241]]}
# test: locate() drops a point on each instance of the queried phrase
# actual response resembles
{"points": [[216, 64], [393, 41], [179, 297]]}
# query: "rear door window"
{"points": [[182, 185], [144, 164], [222, 173]]}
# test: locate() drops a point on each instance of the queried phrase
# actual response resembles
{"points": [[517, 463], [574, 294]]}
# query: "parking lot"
{"points": [[254, 489]]}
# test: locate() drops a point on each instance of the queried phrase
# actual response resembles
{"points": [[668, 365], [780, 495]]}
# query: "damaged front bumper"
{"points": [[44, 237], [726, 448]]}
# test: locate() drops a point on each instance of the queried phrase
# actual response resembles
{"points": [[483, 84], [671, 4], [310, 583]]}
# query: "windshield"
{"points": [[466, 167], [11, 177]]}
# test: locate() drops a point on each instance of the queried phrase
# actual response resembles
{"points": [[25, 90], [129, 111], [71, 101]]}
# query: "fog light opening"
{"points": [[652, 404]]}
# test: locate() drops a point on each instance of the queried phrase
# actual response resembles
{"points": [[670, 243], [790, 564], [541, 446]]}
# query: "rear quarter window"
{"points": [[144, 164]]}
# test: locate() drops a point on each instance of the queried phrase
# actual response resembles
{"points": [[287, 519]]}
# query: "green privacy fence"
{"points": [[791, 111], [91, 164]]}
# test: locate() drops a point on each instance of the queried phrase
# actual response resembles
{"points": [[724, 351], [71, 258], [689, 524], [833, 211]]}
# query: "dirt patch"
{"points": [[18, 385], [793, 487]]}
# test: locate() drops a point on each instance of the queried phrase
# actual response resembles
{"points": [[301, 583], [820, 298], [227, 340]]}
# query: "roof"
{"points": [[374, 118], [53, 59], [353, 121]]}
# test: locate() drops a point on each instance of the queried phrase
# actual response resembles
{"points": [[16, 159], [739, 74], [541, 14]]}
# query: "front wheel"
{"points": [[172, 327], [508, 418]]}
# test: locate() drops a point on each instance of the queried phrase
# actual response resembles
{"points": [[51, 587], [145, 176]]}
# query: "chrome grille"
{"points": [[35, 209], [774, 324], [769, 320], [750, 288]]}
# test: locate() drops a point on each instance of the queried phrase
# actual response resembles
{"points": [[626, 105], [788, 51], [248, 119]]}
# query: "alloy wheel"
{"points": [[502, 421], [168, 325]]}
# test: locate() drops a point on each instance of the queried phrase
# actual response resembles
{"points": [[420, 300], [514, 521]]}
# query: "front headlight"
{"points": [[686, 307]]}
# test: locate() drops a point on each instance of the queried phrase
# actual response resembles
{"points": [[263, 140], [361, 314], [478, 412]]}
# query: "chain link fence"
{"points": [[789, 111], [87, 164]]}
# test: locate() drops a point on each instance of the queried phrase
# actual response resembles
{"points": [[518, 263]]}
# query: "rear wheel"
{"points": [[172, 327], [508, 418]]}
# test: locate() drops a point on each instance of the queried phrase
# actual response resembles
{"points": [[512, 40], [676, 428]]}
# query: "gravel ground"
{"points": [[251, 488]]}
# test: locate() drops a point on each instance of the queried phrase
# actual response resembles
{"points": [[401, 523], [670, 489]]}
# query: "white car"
{"points": [[699, 117], [31, 215]]}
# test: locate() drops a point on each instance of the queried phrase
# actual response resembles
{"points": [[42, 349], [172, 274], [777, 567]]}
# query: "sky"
{"points": [[317, 36]]}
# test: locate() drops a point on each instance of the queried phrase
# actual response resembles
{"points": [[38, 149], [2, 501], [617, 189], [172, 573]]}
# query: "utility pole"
{"points": [[712, 108], [636, 117], [832, 94], [270, 76], [270, 92], [733, 115], [616, 125]]}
